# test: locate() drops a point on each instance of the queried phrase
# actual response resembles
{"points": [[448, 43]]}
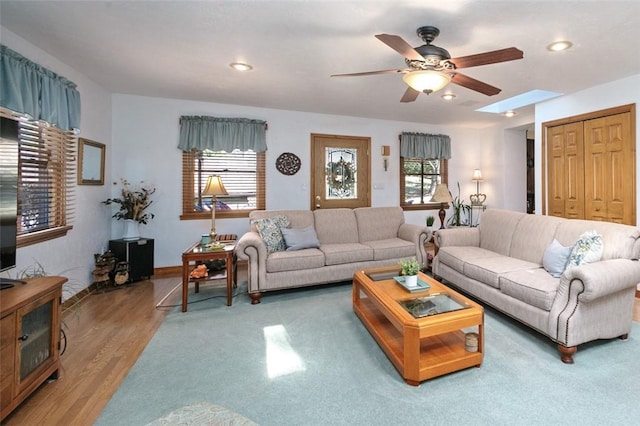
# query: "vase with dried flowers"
{"points": [[133, 202]]}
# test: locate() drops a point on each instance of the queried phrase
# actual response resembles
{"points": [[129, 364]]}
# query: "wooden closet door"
{"points": [[610, 169], [566, 172]]}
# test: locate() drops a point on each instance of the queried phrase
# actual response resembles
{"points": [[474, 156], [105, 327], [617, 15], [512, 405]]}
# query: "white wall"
{"points": [[145, 134], [141, 135], [616, 93], [72, 255]]}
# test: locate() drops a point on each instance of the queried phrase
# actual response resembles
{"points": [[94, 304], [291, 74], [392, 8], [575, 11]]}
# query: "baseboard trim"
{"points": [[78, 297]]}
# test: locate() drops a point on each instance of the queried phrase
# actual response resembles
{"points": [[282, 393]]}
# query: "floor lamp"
{"points": [[214, 187], [442, 196]]}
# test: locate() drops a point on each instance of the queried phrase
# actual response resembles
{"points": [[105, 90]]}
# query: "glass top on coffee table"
{"points": [[433, 304]]}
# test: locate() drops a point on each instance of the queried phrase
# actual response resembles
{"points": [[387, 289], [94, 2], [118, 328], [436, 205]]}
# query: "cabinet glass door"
{"points": [[35, 338]]}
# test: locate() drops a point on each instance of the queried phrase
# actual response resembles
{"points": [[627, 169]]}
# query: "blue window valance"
{"points": [[222, 134], [425, 145], [31, 89]]}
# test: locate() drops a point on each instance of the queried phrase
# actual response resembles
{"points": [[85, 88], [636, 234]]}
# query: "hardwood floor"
{"points": [[106, 333]]}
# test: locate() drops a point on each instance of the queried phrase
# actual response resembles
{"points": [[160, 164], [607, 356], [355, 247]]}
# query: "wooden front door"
{"points": [[341, 171]]}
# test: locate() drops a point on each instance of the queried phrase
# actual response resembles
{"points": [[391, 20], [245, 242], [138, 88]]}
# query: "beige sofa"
{"points": [[501, 263], [349, 240]]}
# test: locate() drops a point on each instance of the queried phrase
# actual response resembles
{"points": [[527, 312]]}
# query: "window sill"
{"points": [[219, 215], [42, 236]]}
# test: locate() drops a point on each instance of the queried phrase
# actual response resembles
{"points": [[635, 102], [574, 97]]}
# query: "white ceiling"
{"points": [[182, 49]]}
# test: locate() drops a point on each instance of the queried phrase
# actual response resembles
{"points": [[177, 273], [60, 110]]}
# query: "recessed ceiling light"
{"points": [[559, 46], [509, 114], [448, 96], [239, 66]]}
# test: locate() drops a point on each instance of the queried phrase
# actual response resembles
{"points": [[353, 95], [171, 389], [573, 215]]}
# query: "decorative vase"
{"points": [[411, 280], [131, 230]]}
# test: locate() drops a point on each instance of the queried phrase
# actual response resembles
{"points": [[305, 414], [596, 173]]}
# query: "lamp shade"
{"points": [[442, 194], [214, 186], [427, 81], [477, 176]]}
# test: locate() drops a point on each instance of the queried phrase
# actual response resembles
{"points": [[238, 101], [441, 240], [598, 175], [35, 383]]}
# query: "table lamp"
{"points": [[442, 196], [214, 187], [477, 199]]}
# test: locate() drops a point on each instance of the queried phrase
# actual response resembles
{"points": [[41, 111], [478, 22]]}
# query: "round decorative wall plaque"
{"points": [[288, 163]]}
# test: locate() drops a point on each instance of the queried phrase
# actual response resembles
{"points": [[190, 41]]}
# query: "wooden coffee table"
{"points": [[425, 347]]}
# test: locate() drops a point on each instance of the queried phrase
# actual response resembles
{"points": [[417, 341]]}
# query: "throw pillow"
{"points": [[298, 239], [588, 249], [269, 230], [555, 258]]}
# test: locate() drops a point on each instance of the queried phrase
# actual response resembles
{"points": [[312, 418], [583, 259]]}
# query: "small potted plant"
{"points": [[430, 221], [410, 268]]}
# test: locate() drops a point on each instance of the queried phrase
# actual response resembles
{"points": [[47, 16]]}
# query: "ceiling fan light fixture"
{"points": [[240, 66], [426, 81]]}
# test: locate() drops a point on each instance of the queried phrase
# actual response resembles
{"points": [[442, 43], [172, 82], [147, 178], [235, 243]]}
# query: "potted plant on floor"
{"points": [[409, 268], [461, 211]]}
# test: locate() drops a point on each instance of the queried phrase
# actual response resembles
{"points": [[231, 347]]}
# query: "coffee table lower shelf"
{"points": [[419, 358]]}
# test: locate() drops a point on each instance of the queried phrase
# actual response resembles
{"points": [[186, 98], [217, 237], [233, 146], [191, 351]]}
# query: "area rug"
{"points": [[202, 413], [302, 357]]}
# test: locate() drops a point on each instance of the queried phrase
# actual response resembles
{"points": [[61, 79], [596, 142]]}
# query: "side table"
{"points": [[196, 253]]}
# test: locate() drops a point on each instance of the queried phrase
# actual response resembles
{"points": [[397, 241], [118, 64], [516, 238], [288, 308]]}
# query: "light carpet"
{"points": [[303, 358]]}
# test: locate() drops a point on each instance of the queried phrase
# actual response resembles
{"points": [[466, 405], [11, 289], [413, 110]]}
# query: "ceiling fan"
{"points": [[430, 67]]}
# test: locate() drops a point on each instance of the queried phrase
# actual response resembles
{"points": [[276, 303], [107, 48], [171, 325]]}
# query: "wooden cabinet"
{"points": [[138, 254], [30, 339], [591, 168]]}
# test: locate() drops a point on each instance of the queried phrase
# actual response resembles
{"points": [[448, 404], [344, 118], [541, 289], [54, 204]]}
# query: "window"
{"points": [[243, 175], [419, 178], [46, 161]]}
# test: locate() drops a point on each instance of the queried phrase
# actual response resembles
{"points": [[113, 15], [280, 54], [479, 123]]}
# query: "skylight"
{"points": [[519, 101]]}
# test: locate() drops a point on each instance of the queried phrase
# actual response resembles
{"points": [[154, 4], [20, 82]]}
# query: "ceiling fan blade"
{"points": [[398, 44], [410, 95], [357, 74], [473, 84], [502, 55]]}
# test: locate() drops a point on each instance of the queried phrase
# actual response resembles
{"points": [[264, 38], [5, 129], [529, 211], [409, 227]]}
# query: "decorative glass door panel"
{"points": [[340, 171]]}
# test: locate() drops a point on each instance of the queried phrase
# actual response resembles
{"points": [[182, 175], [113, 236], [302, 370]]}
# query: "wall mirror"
{"points": [[90, 162]]}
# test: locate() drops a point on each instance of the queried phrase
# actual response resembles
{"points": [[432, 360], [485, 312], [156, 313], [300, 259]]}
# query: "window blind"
{"points": [[46, 182]]}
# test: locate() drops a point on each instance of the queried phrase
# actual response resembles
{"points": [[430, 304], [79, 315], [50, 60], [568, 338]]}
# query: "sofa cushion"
{"points": [[379, 223], [455, 256], [392, 248], [588, 249], [488, 270], [532, 236], [298, 239], [555, 258], [620, 241], [338, 254], [295, 260], [497, 228], [335, 226], [532, 286], [269, 230]]}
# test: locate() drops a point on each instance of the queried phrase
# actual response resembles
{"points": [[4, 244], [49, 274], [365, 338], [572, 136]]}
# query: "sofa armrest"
{"points": [[252, 248], [603, 278], [458, 237], [419, 235]]}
